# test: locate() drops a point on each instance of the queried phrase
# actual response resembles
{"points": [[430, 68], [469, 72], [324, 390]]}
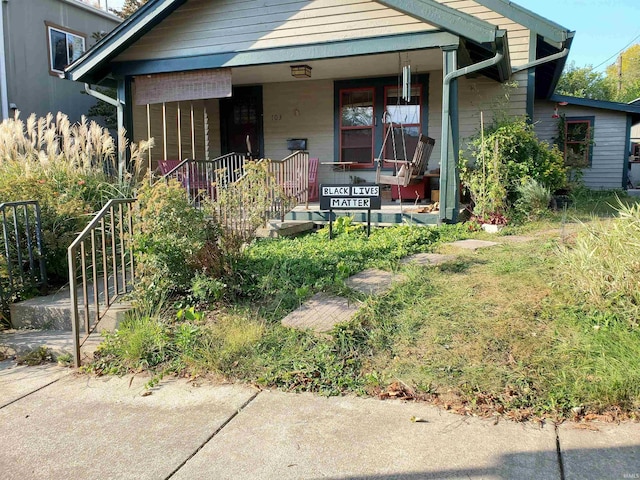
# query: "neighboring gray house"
{"points": [[596, 136], [38, 38]]}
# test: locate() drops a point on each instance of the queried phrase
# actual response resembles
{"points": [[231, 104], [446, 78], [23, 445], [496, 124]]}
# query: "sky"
{"points": [[603, 27]]}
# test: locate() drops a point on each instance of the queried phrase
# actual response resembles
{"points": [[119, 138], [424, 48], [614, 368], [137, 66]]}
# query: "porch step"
{"points": [[53, 312], [389, 215], [284, 229]]}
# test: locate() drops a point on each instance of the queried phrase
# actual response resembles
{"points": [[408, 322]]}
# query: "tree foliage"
{"points": [[583, 82], [630, 80], [129, 8]]}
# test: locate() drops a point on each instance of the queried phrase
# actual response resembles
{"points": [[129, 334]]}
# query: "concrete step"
{"points": [[53, 312], [21, 342], [284, 229]]}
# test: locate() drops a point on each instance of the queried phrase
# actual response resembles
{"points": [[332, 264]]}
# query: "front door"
{"points": [[241, 122]]}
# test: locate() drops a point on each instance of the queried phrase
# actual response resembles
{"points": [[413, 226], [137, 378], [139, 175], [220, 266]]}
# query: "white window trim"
{"points": [[66, 32]]}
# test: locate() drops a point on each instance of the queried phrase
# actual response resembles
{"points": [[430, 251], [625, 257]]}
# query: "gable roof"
{"points": [[94, 65], [91, 65]]}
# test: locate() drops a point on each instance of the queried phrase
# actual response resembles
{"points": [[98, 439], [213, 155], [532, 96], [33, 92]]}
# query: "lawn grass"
{"points": [[493, 332]]}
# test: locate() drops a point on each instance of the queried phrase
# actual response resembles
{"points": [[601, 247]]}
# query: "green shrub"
{"points": [[505, 156], [172, 234]]}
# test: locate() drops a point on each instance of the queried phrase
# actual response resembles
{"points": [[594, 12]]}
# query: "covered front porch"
{"points": [[339, 112], [330, 78]]}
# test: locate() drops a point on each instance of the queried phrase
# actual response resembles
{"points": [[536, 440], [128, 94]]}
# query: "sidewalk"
{"points": [[57, 424]]}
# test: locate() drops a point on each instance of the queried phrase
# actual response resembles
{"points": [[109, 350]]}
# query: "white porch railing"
{"points": [[292, 175]]}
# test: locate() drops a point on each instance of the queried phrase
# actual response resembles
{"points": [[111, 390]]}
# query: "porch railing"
{"points": [[101, 267], [291, 176], [201, 178], [23, 264]]}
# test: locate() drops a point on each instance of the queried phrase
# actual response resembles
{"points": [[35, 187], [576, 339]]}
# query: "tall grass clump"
{"points": [[534, 199], [70, 169], [604, 263]]}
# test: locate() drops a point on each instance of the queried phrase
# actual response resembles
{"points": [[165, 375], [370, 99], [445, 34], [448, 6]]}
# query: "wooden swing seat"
{"points": [[408, 171]]}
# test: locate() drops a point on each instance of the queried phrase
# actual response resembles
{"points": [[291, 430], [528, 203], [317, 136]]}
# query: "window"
{"points": [[359, 126], [65, 47], [577, 141], [406, 113], [356, 125]]}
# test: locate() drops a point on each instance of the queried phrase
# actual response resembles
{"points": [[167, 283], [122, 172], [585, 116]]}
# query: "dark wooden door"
{"points": [[241, 118]]}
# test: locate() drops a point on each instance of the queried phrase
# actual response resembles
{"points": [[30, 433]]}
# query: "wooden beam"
{"points": [[447, 18], [347, 48]]}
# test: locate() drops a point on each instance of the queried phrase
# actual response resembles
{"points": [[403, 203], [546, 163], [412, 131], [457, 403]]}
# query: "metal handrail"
{"points": [[102, 249], [35, 277], [202, 178]]}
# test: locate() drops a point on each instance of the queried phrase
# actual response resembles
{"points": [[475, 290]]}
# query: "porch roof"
{"points": [[454, 28]]}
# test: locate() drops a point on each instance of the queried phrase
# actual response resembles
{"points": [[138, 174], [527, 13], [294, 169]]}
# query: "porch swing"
{"points": [[405, 171]]}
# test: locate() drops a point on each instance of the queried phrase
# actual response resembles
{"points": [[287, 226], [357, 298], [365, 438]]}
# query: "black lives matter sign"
{"points": [[350, 197]]}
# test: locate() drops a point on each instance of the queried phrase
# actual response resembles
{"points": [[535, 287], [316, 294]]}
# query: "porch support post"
{"points": [[122, 150], [449, 145]]}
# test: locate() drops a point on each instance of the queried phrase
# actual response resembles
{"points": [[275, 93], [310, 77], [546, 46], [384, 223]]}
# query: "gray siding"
{"points": [[475, 95], [30, 85], [205, 27], [610, 132]]}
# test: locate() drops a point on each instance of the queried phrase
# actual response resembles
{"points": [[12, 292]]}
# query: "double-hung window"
{"points": [[405, 116], [357, 125], [365, 111], [578, 134], [65, 47]]}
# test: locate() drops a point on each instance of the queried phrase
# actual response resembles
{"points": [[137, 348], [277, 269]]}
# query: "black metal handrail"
{"points": [[104, 253], [23, 248]]}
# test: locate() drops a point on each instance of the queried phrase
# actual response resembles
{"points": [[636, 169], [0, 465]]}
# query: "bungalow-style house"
{"points": [[38, 39], [209, 77]]}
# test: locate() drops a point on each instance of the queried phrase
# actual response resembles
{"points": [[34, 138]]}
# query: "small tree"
{"points": [[129, 8]]}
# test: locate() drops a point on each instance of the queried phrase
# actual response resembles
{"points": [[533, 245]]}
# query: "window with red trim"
{"points": [[357, 125], [577, 142]]}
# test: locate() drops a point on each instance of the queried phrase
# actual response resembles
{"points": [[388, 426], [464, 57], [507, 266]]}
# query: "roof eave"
{"points": [[553, 33], [143, 20], [602, 104]]}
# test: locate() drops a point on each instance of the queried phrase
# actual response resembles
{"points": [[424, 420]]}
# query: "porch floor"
{"points": [[391, 213]]}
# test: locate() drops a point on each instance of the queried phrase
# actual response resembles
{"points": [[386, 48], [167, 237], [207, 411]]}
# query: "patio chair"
{"points": [[408, 171], [190, 177]]}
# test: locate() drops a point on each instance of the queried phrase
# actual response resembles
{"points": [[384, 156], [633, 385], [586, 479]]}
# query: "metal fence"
{"points": [[101, 266], [23, 265]]}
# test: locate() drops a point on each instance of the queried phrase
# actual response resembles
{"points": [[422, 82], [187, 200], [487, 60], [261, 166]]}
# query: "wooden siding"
{"points": [[475, 95], [519, 35], [299, 110], [610, 131], [206, 27]]}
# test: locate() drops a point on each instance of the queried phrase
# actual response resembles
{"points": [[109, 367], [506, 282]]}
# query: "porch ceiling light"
{"points": [[301, 71]]}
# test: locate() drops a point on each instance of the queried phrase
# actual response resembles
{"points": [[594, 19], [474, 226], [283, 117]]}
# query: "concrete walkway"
{"points": [[56, 424]]}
